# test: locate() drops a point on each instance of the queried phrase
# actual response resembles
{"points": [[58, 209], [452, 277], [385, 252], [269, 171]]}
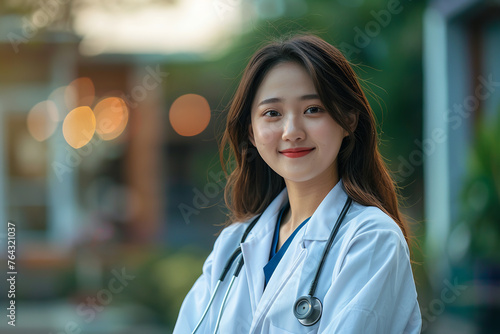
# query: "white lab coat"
{"points": [[366, 285]]}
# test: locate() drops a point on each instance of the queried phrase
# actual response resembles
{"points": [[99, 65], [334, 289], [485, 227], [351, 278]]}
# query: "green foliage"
{"points": [[389, 64], [165, 279], [481, 194]]}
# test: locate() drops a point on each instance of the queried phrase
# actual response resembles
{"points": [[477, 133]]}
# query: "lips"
{"points": [[297, 152]]}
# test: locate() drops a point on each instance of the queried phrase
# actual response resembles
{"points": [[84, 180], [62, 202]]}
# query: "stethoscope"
{"points": [[307, 309]]}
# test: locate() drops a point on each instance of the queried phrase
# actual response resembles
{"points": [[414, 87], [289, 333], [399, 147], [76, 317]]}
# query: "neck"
{"points": [[305, 197]]}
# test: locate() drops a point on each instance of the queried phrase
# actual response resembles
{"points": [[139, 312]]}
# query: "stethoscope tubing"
{"points": [[336, 227], [208, 306], [221, 310], [238, 252], [228, 266]]}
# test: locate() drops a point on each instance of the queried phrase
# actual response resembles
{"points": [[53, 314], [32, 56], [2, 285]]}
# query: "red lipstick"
{"points": [[297, 152]]}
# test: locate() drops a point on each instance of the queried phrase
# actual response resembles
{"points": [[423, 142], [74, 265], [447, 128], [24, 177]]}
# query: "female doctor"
{"points": [[315, 242]]}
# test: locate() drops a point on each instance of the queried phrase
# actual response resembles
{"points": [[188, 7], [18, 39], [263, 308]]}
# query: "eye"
{"points": [[314, 110], [271, 113]]}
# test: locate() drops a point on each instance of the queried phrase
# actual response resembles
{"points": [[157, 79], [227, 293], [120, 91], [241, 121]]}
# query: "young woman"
{"points": [[316, 242]]}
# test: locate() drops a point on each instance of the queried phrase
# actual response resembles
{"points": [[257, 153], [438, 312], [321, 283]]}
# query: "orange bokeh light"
{"points": [[111, 116], [79, 126], [189, 114], [42, 120], [80, 92]]}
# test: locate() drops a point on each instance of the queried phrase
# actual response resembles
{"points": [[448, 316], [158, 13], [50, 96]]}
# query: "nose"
{"points": [[293, 128]]}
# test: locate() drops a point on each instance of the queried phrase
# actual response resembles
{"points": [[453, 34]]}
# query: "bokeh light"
{"points": [[58, 97], [80, 92], [111, 116], [189, 114], [79, 126], [42, 120]]}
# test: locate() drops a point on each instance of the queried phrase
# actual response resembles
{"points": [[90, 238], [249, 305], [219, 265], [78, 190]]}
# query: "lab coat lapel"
{"points": [[254, 252], [318, 228], [287, 267], [322, 221], [256, 249]]}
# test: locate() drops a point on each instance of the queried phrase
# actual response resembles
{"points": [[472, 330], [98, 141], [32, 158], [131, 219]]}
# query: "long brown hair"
{"points": [[252, 184]]}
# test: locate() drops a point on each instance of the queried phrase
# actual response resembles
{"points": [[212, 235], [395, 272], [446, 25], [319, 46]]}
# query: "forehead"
{"points": [[286, 81]]}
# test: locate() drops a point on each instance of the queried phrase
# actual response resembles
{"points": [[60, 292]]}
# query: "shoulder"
{"points": [[231, 235], [225, 245], [362, 219], [234, 230], [372, 243], [369, 223]]}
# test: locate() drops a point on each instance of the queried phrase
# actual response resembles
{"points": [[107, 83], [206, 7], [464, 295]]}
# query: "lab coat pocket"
{"points": [[306, 330]]}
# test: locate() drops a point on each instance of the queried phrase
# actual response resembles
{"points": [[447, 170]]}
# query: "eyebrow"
{"points": [[277, 99]]}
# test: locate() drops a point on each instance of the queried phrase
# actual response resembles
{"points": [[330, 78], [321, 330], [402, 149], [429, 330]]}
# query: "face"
{"points": [[292, 131]]}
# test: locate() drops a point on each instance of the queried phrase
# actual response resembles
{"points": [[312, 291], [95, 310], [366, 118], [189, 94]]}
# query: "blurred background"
{"points": [[110, 115]]}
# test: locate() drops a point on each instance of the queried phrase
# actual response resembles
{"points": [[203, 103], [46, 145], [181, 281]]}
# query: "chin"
{"points": [[298, 178]]}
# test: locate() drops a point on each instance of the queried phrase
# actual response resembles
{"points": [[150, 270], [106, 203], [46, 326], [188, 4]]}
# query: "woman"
{"points": [[304, 141]]}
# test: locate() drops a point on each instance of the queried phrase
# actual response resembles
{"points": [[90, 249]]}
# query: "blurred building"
{"points": [[80, 211], [462, 87], [71, 205]]}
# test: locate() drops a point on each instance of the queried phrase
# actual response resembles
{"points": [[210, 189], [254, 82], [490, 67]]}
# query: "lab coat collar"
{"points": [[258, 243], [320, 224], [257, 246], [323, 219]]}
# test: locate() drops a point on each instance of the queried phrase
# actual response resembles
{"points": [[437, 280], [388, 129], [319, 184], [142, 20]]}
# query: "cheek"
{"points": [[328, 134], [265, 135]]}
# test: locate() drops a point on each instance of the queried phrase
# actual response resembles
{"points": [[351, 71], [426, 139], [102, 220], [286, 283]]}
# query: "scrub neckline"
{"points": [[275, 257]]}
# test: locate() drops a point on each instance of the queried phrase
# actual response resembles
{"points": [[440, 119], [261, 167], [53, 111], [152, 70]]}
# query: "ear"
{"points": [[250, 134], [352, 119]]}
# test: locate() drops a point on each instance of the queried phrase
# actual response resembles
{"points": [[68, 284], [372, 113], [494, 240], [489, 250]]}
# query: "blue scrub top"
{"points": [[274, 258]]}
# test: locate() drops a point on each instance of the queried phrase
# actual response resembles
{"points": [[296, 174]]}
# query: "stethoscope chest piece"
{"points": [[307, 310]]}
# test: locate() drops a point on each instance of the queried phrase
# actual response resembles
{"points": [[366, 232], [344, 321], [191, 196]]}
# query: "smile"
{"points": [[297, 152]]}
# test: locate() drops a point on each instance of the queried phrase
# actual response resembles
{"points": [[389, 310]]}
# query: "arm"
{"points": [[374, 291], [198, 297], [196, 301]]}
